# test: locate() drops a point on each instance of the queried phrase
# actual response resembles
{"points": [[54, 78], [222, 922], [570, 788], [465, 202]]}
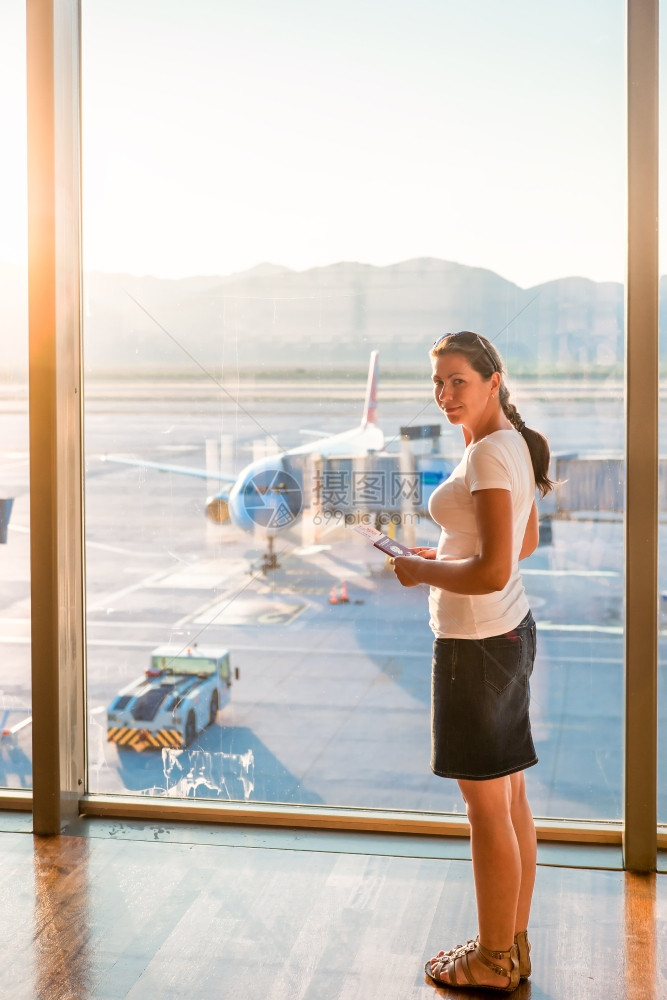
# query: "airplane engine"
{"points": [[217, 509], [266, 495]]}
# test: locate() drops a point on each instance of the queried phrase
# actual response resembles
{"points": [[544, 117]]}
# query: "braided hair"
{"points": [[486, 360]]}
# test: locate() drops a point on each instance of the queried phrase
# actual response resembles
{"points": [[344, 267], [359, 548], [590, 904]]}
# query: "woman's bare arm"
{"points": [[531, 536], [484, 573]]}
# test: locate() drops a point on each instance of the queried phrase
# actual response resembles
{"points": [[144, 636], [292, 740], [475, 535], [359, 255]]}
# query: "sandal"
{"points": [[523, 947], [522, 944], [458, 959]]}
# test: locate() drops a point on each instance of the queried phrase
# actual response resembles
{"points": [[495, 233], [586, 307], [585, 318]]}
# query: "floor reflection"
{"points": [[641, 981], [61, 919]]}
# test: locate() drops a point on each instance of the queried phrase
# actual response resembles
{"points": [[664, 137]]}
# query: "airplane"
{"points": [[269, 492]]}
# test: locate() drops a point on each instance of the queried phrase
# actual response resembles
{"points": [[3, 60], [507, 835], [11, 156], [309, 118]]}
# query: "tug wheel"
{"points": [[190, 728], [213, 710]]}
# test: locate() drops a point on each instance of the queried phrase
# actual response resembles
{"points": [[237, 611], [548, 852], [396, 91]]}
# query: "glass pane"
{"points": [[15, 691], [271, 194]]}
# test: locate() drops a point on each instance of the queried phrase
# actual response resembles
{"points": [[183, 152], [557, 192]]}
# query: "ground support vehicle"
{"points": [[180, 694]]}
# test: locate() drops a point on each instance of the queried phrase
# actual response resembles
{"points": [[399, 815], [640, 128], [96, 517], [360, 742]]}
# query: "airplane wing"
{"points": [[236, 501], [181, 470], [315, 434]]}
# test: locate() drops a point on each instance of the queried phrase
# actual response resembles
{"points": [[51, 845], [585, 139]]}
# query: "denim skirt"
{"points": [[480, 704]]}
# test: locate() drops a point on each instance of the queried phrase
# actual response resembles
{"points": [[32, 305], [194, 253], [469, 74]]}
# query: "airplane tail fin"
{"points": [[370, 404]]}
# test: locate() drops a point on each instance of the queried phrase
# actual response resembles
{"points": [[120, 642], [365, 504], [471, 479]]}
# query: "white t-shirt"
{"points": [[499, 461]]}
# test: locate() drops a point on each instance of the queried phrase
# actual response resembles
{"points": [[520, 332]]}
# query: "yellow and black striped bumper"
{"points": [[141, 739]]}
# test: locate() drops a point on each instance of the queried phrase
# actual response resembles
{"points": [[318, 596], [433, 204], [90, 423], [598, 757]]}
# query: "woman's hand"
{"points": [[484, 573], [425, 553], [406, 569]]}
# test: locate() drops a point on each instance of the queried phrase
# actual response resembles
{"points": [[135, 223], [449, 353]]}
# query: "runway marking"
{"points": [[338, 571], [555, 660], [192, 581], [253, 610], [209, 574], [598, 629], [179, 627], [108, 599], [124, 551], [289, 650], [569, 572], [347, 653]]}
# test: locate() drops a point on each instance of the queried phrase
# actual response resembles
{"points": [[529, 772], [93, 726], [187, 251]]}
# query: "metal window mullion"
{"points": [[54, 318], [641, 519]]}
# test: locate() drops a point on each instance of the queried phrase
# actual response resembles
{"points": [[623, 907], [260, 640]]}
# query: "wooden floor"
{"points": [[103, 917]]}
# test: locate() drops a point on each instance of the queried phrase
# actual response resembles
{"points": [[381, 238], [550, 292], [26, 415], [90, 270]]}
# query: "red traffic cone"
{"points": [[333, 598], [344, 599]]}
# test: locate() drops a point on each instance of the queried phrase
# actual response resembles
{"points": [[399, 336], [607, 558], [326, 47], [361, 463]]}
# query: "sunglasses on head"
{"points": [[468, 334]]}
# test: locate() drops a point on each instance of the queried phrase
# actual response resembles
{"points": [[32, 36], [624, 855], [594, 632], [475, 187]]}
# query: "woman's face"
{"points": [[461, 392]]}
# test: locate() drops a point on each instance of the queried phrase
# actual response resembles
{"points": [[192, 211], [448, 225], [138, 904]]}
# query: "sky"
{"points": [[218, 134]]}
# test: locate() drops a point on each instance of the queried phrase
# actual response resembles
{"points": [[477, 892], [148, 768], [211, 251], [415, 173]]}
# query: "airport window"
{"points": [[266, 204], [15, 681]]}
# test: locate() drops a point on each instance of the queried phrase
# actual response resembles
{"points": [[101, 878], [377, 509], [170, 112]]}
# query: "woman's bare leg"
{"points": [[524, 828], [496, 859], [503, 851]]}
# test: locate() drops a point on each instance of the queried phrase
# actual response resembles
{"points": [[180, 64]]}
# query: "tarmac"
{"points": [[332, 702]]}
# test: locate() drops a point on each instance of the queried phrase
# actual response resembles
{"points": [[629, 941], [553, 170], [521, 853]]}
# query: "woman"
{"points": [[484, 649]]}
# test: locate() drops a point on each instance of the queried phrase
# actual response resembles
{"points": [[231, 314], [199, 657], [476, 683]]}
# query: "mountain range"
{"points": [[271, 317]]}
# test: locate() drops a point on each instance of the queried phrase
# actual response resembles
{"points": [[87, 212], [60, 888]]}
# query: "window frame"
{"points": [[56, 467]]}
